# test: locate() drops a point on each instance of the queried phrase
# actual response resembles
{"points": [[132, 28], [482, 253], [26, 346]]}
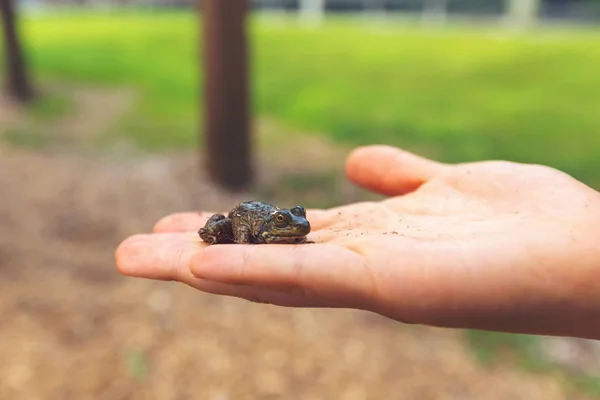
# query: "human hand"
{"points": [[490, 245]]}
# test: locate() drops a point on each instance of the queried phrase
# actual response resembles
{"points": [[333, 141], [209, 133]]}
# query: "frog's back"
{"points": [[250, 216], [251, 209]]}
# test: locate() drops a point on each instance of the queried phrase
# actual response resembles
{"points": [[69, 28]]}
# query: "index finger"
{"points": [[318, 271]]}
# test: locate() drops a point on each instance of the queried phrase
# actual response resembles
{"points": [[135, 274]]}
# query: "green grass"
{"points": [[136, 364], [47, 108], [527, 354], [464, 94], [26, 138], [526, 349]]}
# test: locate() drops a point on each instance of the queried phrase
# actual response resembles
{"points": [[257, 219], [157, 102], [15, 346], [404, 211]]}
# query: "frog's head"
{"points": [[286, 226]]}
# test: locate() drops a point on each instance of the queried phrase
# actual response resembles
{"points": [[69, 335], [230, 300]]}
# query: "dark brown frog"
{"points": [[255, 222]]}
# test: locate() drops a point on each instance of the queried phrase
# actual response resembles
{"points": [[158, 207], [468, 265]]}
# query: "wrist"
{"points": [[581, 264]]}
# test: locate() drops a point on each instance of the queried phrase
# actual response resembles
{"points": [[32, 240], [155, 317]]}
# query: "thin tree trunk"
{"points": [[227, 116], [17, 82]]}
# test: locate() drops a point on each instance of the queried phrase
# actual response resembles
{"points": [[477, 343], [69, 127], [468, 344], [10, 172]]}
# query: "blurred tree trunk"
{"points": [[17, 82], [523, 13], [227, 119]]}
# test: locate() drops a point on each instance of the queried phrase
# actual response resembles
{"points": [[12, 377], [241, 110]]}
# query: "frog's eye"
{"points": [[280, 220], [298, 211]]}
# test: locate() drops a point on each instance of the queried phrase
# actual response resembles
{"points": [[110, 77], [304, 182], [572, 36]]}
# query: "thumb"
{"points": [[389, 170]]}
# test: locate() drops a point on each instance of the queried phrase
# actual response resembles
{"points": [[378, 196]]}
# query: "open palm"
{"points": [[490, 245]]}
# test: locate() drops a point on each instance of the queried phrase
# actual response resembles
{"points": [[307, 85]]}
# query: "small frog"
{"points": [[255, 222]]}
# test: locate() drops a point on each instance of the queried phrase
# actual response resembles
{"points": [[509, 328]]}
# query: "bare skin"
{"points": [[491, 245]]}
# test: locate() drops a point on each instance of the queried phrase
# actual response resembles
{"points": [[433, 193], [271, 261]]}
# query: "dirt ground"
{"points": [[72, 327]]}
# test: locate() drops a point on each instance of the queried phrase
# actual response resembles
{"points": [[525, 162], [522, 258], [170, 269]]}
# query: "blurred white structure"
{"points": [[523, 13], [435, 12], [312, 12], [375, 8], [515, 13]]}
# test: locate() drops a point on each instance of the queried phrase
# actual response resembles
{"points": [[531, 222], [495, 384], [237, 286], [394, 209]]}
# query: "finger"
{"points": [[162, 256], [329, 273], [168, 257], [389, 170], [319, 219], [182, 222], [252, 293], [192, 221]]}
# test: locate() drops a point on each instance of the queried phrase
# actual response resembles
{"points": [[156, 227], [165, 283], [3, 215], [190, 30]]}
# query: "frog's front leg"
{"points": [[217, 230], [243, 235]]}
